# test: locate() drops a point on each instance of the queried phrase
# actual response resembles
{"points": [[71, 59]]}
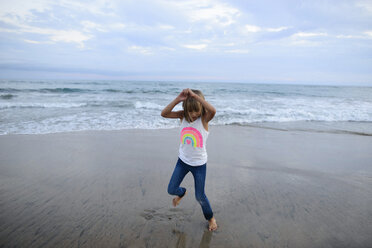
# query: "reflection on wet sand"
{"points": [[182, 237]]}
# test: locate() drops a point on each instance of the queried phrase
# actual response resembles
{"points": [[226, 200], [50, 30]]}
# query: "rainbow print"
{"points": [[190, 135]]}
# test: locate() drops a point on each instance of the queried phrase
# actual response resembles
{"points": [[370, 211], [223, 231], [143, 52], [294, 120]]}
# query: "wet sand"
{"points": [[267, 188]]}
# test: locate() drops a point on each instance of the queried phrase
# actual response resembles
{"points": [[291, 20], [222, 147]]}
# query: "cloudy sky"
{"points": [[287, 41]]}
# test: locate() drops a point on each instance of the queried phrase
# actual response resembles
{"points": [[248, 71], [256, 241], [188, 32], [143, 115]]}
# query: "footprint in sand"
{"points": [[163, 214]]}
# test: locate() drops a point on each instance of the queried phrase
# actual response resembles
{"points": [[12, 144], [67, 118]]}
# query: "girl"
{"points": [[192, 156]]}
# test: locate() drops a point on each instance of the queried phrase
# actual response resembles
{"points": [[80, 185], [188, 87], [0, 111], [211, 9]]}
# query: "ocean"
{"points": [[38, 107]]}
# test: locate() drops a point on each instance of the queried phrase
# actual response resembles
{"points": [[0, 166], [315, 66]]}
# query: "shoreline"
{"points": [[302, 126]]}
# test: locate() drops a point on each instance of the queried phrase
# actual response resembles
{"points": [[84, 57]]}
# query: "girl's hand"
{"points": [[191, 93], [183, 95]]}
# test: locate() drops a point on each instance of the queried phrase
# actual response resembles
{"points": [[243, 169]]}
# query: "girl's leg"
{"points": [[199, 173], [179, 173]]}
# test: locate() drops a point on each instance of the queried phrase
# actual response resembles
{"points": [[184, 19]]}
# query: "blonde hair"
{"points": [[193, 105]]}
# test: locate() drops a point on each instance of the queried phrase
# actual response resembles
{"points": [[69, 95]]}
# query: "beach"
{"points": [[267, 188]]}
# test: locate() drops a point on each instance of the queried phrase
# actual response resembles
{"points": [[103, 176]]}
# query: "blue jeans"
{"points": [[199, 173]]}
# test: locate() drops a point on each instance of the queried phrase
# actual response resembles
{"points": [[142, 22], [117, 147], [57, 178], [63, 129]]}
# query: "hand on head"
{"points": [[191, 93], [185, 94]]}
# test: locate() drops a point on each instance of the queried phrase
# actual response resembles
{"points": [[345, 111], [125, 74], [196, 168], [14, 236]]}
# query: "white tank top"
{"points": [[193, 150]]}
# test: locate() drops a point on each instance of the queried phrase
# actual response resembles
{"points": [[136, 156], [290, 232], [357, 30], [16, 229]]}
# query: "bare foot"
{"points": [[212, 224], [177, 199]]}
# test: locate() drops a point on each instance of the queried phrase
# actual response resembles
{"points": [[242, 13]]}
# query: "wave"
{"points": [[148, 105], [80, 90], [139, 91], [111, 104], [10, 90], [93, 104], [7, 96], [112, 90], [46, 90], [121, 91], [41, 105], [64, 90]]}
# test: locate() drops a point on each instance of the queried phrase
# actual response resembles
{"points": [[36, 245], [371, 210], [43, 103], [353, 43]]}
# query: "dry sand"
{"points": [[267, 188]]}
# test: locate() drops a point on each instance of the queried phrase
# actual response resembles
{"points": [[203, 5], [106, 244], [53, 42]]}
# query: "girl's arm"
{"points": [[211, 111], [167, 111]]}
